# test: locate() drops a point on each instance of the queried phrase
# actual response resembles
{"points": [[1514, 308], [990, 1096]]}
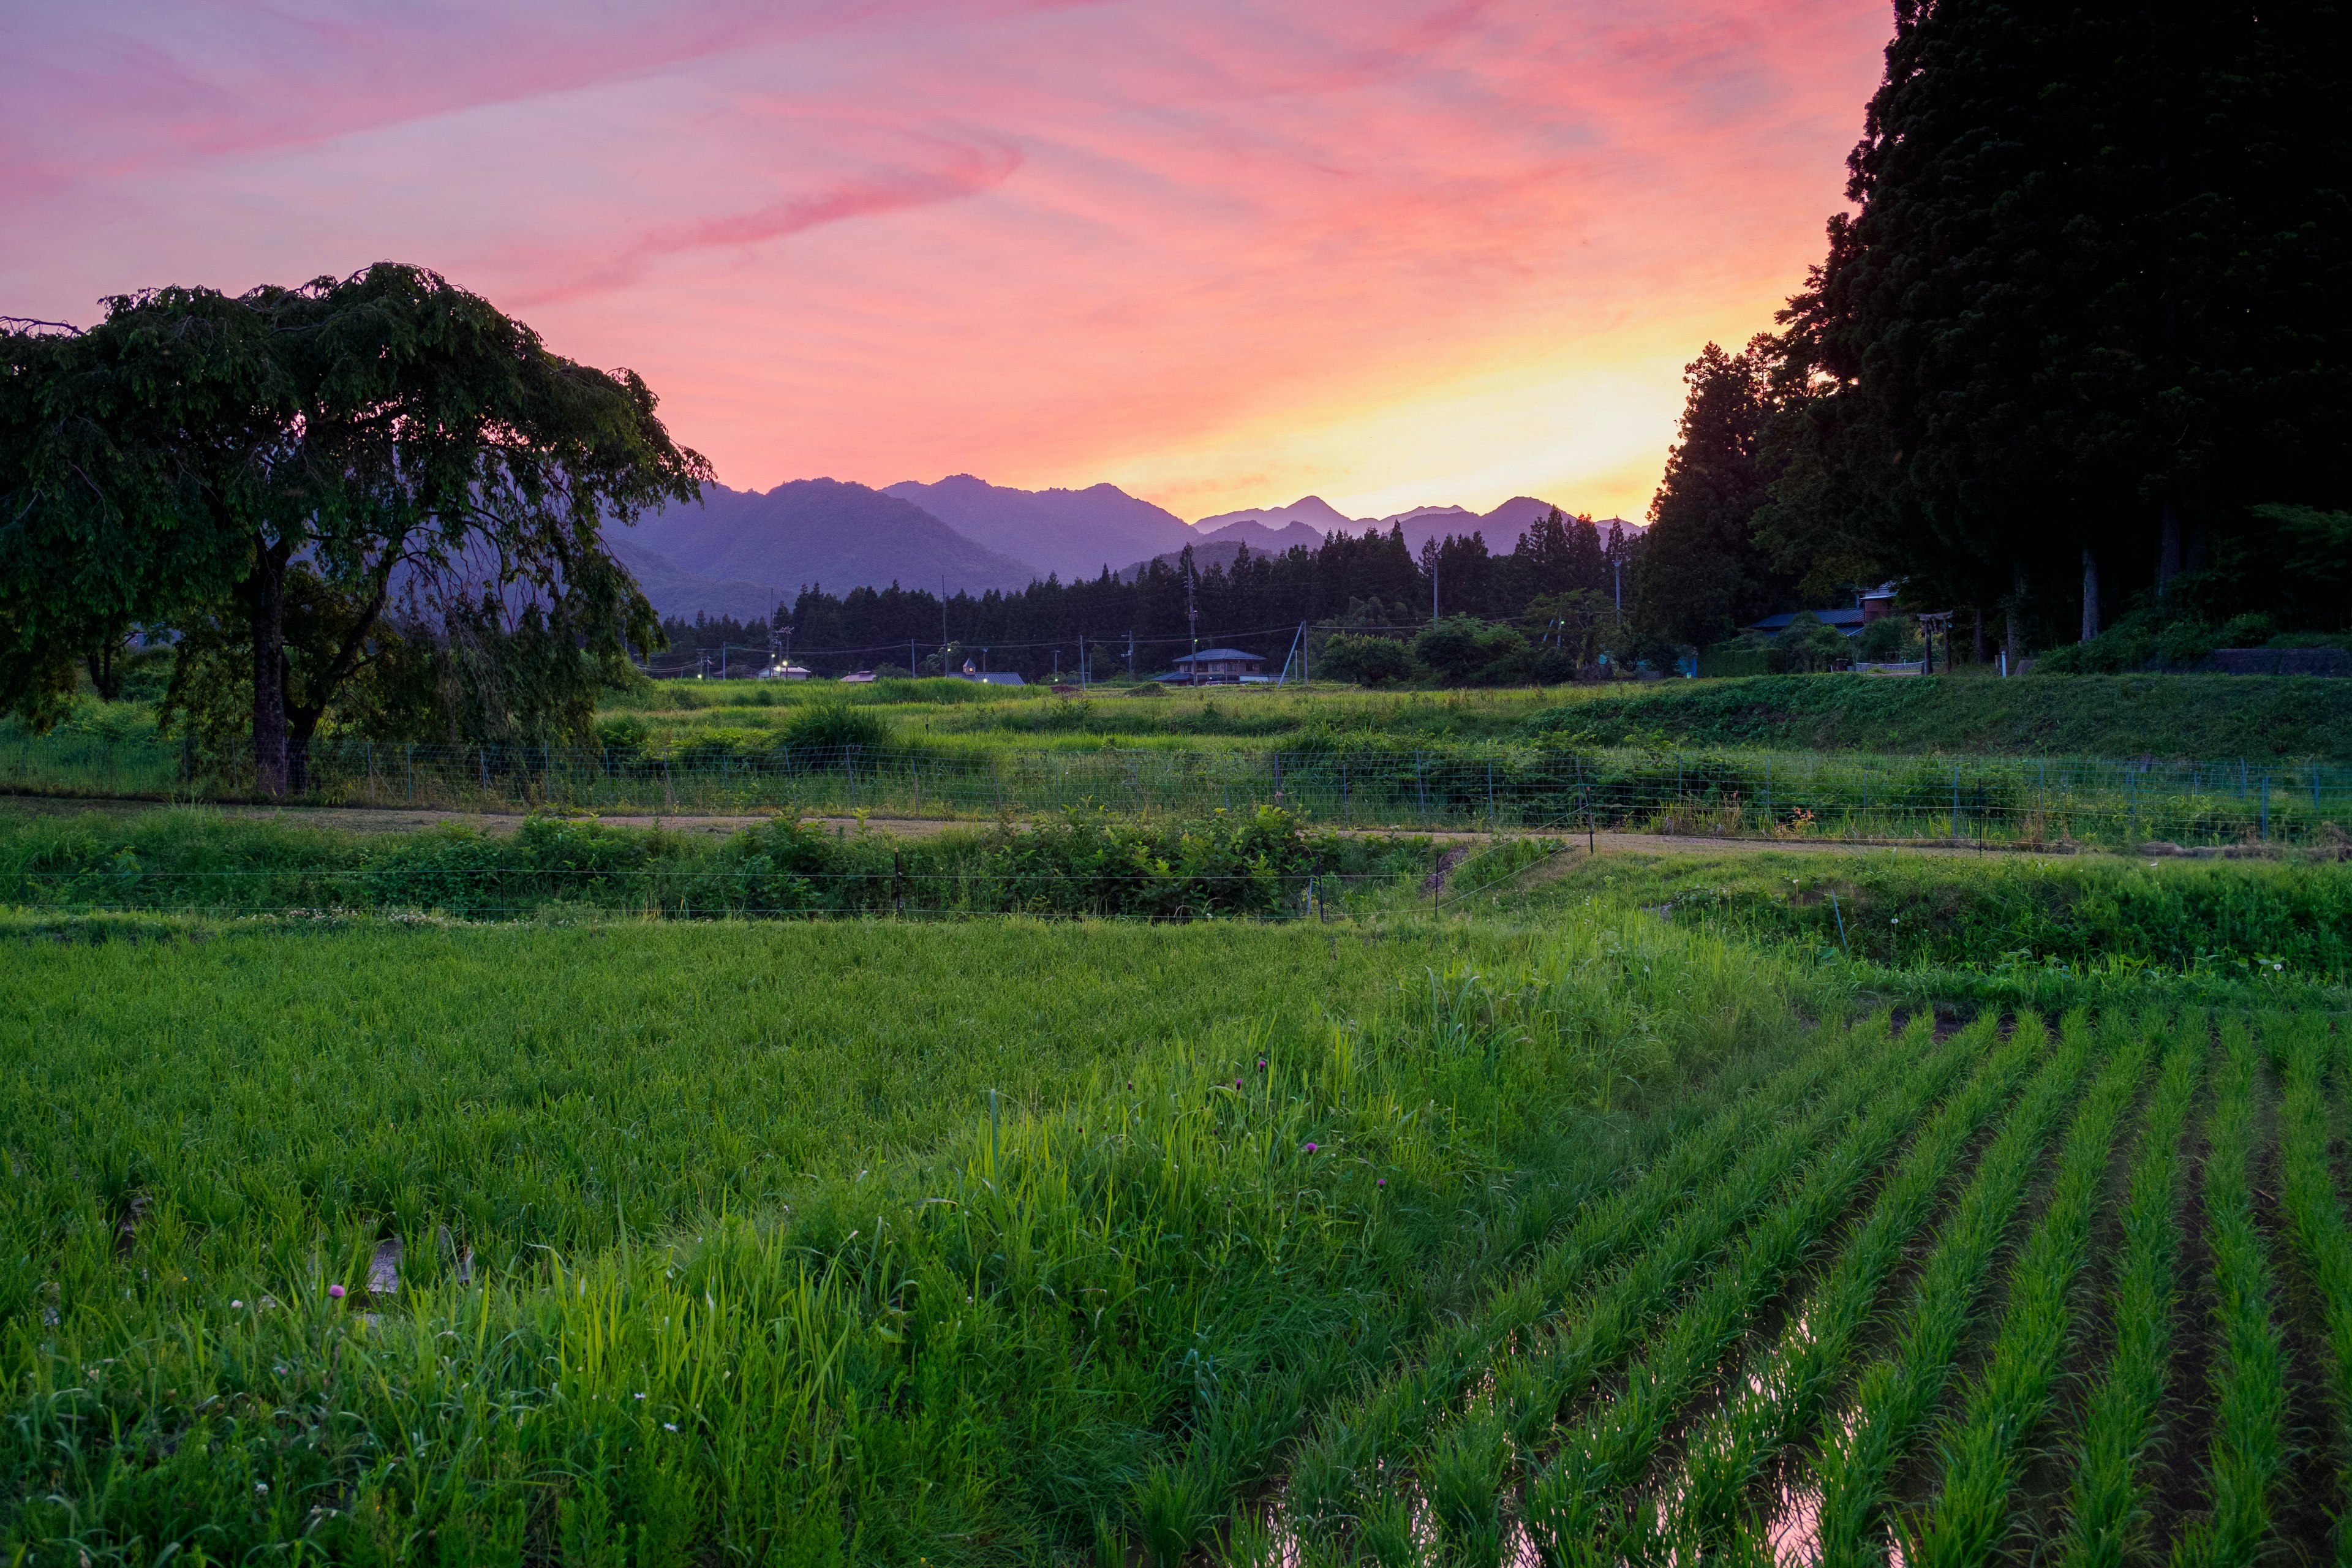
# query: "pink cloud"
{"points": [[1189, 249]]}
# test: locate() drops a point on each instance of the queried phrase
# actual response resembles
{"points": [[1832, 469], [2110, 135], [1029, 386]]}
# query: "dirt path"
{"points": [[365, 819]]}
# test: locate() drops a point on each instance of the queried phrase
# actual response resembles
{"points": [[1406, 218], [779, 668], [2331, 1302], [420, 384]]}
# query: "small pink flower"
{"points": [[336, 1291], [1380, 1181], [1237, 1083], [1310, 1148]]}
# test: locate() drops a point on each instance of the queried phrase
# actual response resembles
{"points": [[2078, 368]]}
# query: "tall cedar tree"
{"points": [[1699, 573], [2093, 304], [354, 436]]}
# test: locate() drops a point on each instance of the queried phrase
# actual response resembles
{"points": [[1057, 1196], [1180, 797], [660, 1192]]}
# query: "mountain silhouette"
{"points": [[1073, 535], [817, 532]]}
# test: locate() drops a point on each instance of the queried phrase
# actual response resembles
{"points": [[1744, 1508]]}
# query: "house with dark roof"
{"points": [[1215, 666]]}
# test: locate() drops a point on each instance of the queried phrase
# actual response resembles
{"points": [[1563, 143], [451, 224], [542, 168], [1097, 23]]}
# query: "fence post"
{"points": [[410, 764], [1492, 824], [1768, 794], [1955, 803], [2266, 808], [1421, 786], [2131, 793]]}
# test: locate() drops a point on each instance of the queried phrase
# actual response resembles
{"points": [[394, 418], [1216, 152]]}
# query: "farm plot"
{"points": [[1958, 1323], [1611, 1242]]}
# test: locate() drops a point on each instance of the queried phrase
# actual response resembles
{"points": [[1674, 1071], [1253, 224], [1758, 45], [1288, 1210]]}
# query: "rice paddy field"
{"points": [[1615, 1210]]}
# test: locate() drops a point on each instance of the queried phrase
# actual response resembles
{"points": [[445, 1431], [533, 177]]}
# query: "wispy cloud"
{"points": [[1221, 252]]}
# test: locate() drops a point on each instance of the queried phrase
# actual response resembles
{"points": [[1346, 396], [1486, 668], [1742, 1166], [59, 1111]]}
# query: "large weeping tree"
{"points": [[196, 455]]}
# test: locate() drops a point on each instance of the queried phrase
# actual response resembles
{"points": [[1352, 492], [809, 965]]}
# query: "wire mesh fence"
{"points": [[1852, 797]]}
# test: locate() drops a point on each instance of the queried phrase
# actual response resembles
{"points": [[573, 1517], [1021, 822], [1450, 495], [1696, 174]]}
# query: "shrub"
{"points": [[834, 726], [1888, 640], [1367, 661], [1807, 647]]}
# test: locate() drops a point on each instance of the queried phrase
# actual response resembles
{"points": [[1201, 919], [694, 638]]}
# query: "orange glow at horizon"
{"points": [[1394, 252]]}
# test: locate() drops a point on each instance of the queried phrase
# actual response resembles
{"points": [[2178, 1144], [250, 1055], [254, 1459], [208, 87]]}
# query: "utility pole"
{"points": [[1617, 571], [911, 658], [1192, 619], [1131, 653]]}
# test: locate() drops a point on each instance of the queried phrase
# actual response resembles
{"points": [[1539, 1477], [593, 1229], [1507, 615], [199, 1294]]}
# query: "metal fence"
{"points": [[1726, 792]]}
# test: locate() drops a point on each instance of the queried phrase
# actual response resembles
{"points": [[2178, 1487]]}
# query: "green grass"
{"points": [[1999, 915], [2118, 716]]}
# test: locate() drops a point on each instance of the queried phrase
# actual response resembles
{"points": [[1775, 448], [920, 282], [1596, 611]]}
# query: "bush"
{"points": [[1461, 651], [1367, 661], [1807, 647], [1888, 640], [835, 726]]}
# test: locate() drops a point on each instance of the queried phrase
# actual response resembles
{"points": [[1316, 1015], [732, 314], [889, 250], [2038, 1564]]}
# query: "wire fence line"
{"points": [[1855, 796]]}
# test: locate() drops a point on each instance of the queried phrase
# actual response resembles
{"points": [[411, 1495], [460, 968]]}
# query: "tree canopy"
{"points": [[2085, 324], [199, 462]]}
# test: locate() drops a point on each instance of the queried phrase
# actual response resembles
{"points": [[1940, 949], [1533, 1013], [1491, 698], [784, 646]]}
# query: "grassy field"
{"points": [[1616, 1209], [2170, 716]]}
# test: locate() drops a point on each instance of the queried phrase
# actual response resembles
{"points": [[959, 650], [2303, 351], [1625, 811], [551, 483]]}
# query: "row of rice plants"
{"points": [[1998, 1425], [1577, 1508], [2247, 1377], [1612, 1228], [1349, 1472], [1788, 1386], [1894, 1397], [2106, 1509], [2315, 1217]]}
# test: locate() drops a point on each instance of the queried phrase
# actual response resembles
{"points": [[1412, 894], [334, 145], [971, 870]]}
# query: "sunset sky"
{"points": [[1221, 254]]}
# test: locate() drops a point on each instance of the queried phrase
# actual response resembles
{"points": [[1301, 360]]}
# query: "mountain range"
{"points": [[741, 553]]}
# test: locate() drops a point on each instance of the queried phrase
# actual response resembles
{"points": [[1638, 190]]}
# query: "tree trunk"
{"points": [[267, 601], [2090, 594], [300, 725], [1977, 615], [2013, 635], [2167, 555]]}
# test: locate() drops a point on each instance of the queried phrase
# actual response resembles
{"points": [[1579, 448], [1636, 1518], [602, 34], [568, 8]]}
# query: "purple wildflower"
{"points": [[336, 1291], [1310, 1148]]}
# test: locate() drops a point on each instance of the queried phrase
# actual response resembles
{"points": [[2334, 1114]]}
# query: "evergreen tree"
{"points": [[1700, 572]]}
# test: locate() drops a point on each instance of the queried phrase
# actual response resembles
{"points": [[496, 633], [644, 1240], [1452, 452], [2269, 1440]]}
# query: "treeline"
{"points": [[2078, 351], [1559, 577]]}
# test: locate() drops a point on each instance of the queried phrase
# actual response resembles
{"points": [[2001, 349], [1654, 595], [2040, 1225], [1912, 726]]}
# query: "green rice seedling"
{"points": [[2247, 1455], [1894, 1398], [2112, 1484], [1175, 1507], [1463, 1482], [2006, 1403], [1388, 1535], [1789, 1391], [1391, 1414], [2317, 1217], [1575, 1505], [1609, 1324]]}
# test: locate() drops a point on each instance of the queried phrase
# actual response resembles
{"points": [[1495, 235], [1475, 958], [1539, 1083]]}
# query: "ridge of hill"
{"points": [[830, 532], [1071, 534]]}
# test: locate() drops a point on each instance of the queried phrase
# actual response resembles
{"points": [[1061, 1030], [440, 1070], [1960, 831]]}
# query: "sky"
{"points": [[1219, 253]]}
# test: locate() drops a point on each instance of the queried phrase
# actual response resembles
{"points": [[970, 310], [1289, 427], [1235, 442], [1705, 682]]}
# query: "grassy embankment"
{"points": [[2166, 716]]}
